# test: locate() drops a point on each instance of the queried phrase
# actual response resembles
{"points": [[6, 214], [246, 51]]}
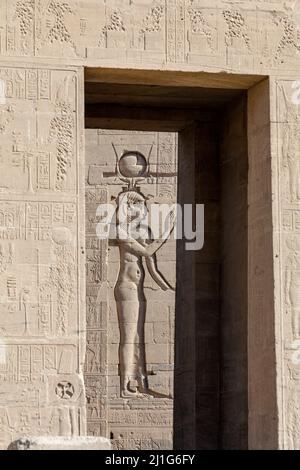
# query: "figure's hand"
{"points": [[164, 286], [172, 216]]}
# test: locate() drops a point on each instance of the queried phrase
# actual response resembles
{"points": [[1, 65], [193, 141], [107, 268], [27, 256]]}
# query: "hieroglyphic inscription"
{"points": [[267, 31], [39, 270], [95, 371], [288, 117]]}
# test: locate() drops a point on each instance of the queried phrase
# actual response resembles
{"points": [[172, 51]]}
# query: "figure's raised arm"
{"points": [[156, 275], [156, 244]]}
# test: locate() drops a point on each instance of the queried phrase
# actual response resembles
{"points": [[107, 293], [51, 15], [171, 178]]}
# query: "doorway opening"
{"points": [[193, 130]]}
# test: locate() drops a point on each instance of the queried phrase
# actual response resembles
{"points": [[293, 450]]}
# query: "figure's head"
{"points": [[131, 205]]}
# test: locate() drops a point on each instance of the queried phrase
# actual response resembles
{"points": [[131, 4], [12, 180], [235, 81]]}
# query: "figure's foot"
{"points": [[128, 394], [130, 389], [143, 385], [147, 392]]}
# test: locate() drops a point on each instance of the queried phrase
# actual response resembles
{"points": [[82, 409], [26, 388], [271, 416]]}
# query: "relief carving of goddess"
{"points": [[129, 289]]}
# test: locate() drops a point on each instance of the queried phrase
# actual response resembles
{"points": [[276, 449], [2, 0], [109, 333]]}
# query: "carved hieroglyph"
{"points": [[134, 370], [41, 387]]}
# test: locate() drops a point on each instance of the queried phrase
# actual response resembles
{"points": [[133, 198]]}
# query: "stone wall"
{"points": [[132, 423], [44, 47], [234, 276], [241, 36], [42, 304], [208, 287]]}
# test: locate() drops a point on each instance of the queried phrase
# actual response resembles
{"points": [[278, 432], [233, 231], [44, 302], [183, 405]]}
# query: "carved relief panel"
{"points": [[135, 334], [235, 34], [42, 391]]}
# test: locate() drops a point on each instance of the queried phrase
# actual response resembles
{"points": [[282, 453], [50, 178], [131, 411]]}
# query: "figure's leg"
{"points": [[128, 314], [140, 342], [246, 39]]}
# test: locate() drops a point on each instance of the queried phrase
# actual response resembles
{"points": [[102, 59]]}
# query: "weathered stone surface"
{"points": [[240, 36], [59, 329], [42, 316], [104, 185], [61, 443]]}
